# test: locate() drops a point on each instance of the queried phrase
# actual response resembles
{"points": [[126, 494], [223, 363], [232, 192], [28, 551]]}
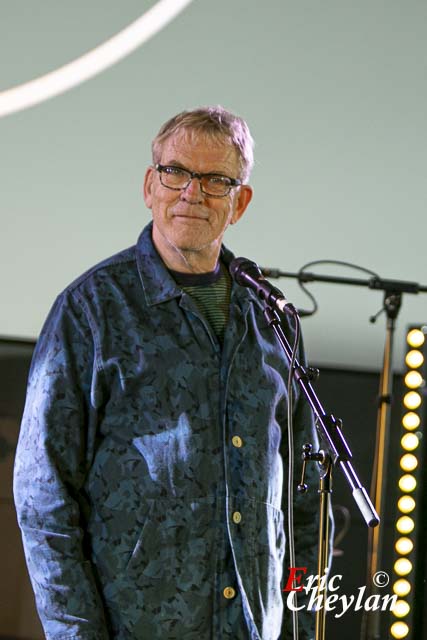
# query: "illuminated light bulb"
{"points": [[405, 524], [414, 359], [407, 483], [402, 587], [411, 421], [401, 609], [404, 546], [408, 462], [412, 400], [415, 338], [406, 504], [399, 630], [402, 566], [410, 441], [413, 379]]}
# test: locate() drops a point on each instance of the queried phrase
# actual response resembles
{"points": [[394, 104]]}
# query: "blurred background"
{"points": [[335, 94]]}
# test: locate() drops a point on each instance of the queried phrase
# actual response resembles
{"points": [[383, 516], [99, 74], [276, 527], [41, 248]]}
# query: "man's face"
{"points": [[189, 221]]}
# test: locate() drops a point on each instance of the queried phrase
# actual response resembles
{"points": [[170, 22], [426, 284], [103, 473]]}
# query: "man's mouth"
{"points": [[189, 217]]}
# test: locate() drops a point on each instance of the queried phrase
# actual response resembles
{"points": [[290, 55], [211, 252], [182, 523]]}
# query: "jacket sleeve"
{"points": [[52, 460]]}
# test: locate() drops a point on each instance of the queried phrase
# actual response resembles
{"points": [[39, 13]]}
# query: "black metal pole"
{"points": [[328, 427], [393, 290]]}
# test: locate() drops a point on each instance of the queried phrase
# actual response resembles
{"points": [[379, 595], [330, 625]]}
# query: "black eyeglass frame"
{"points": [[234, 182]]}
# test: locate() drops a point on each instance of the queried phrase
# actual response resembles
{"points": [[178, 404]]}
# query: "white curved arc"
{"points": [[93, 62]]}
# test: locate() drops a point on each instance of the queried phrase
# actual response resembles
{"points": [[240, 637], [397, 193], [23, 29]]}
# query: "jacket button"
{"points": [[229, 593], [237, 517], [237, 441]]}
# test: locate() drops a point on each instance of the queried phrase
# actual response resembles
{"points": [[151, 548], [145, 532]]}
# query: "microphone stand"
{"points": [[335, 451], [325, 490], [393, 290], [392, 302]]}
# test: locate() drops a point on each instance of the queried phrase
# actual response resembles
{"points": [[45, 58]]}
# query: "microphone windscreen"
{"points": [[239, 267]]}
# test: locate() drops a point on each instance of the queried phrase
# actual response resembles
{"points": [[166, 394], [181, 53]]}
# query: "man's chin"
{"points": [[195, 244], [191, 248]]}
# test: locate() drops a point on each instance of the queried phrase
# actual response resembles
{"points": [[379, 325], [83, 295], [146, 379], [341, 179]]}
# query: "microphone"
{"points": [[248, 274]]}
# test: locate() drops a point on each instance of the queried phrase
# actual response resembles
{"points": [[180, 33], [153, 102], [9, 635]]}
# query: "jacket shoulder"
{"points": [[115, 264]]}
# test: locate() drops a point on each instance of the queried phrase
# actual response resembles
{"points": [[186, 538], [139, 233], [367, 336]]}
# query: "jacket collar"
{"points": [[242, 295], [157, 282]]}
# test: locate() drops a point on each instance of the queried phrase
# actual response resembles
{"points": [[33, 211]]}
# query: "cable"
{"points": [[291, 467], [326, 261]]}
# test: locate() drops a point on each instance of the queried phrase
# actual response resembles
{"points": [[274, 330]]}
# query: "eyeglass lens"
{"points": [[211, 184]]}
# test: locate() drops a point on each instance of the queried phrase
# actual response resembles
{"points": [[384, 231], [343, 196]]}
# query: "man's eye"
{"points": [[174, 171], [218, 180]]}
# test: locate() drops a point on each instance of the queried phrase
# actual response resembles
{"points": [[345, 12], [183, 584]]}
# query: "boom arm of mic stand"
{"points": [[328, 427], [376, 283]]}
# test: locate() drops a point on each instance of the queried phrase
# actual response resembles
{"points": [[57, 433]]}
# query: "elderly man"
{"points": [[149, 469]]}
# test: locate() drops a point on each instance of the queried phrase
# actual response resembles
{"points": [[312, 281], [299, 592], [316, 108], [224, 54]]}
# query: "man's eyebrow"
{"points": [[175, 163]]}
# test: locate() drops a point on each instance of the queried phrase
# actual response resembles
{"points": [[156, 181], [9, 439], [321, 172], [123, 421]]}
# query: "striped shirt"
{"points": [[211, 293]]}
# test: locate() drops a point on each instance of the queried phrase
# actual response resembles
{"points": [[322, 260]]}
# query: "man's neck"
{"points": [[202, 260]]}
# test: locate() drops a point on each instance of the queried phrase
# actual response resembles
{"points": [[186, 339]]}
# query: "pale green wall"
{"points": [[335, 93]]}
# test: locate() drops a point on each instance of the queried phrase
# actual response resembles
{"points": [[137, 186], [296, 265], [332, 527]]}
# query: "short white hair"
{"points": [[216, 122]]}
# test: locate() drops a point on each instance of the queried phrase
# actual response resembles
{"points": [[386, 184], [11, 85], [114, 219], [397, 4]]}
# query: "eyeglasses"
{"points": [[211, 184]]}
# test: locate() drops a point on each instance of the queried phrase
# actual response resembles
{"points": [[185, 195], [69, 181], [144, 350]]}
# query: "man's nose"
{"points": [[193, 191]]}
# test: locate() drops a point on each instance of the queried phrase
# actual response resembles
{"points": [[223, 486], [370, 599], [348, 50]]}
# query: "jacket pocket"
{"points": [[170, 571]]}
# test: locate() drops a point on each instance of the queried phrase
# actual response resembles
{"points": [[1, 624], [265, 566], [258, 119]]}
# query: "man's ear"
{"points": [[148, 187], [244, 196]]}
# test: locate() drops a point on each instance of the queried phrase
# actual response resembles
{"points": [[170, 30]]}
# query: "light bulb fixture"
{"points": [[408, 462], [412, 400], [414, 379], [406, 504], [407, 483], [414, 359], [415, 338], [401, 609], [407, 538], [402, 587], [404, 546], [405, 524], [409, 441], [411, 421], [402, 566], [399, 630]]}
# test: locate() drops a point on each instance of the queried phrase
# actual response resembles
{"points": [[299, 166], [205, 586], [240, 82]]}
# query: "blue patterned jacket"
{"points": [[148, 475]]}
